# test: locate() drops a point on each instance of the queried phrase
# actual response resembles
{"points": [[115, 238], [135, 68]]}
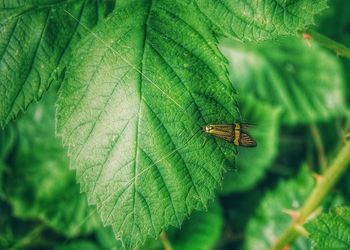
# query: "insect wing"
{"points": [[224, 132], [246, 140]]}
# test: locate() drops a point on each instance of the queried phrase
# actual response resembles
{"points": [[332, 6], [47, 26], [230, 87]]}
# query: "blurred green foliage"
{"points": [[39, 184], [271, 216], [291, 90]]}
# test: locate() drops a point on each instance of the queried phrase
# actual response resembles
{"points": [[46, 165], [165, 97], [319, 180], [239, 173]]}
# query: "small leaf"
{"points": [[253, 20], [331, 230], [133, 102], [35, 38], [307, 82], [38, 182], [252, 163], [271, 219]]}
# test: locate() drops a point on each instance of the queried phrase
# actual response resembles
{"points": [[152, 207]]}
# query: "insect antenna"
{"points": [[247, 125]]}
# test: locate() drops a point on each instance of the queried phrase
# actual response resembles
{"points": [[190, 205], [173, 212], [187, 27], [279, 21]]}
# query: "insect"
{"points": [[234, 133]]}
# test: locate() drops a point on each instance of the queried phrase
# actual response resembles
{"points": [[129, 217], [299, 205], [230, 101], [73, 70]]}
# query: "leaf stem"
{"points": [[166, 243], [340, 49], [322, 189]]}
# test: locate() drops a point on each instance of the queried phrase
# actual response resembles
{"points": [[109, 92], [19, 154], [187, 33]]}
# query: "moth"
{"points": [[234, 133]]}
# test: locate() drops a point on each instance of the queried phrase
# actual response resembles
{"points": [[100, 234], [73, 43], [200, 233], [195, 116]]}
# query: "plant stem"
{"points": [[166, 243], [339, 48], [322, 189], [29, 238], [315, 132]]}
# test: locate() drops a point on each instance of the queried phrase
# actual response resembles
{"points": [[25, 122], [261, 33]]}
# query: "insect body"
{"points": [[234, 133]]}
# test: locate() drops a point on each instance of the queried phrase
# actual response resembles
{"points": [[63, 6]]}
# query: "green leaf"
{"points": [[106, 239], [38, 182], [306, 81], [335, 20], [78, 245], [35, 39], [131, 109], [13, 230], [331, 230], [252, 162], [271, 219], [8, 139], [202, 229], [253, 20]]}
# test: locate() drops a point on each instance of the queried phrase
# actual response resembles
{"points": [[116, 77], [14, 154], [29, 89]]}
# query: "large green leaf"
{"points": [[38, 182], [131, 109], [270, 219], [254, 20], [331, 230], [306, 81], [252, 163], [35, 38]]}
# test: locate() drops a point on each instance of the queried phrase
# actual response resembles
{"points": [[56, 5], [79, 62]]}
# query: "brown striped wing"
{"points": [[223, 131], [246, 140]]}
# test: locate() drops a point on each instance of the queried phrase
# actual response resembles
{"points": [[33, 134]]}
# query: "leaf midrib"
{"points": [[137, 134]]}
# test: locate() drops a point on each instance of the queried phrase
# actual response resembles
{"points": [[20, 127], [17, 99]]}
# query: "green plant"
{"points": [[128, 85]]}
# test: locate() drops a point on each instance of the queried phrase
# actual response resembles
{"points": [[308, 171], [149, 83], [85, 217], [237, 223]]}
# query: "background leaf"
{"points": [[45, 189], [254, 20], [106, 239], [202, 229], [335, 24], [306, 81], [12, 230], [36, 41], [131, 109], [331, 230], [79, 245], [335, 20], [270, 218], [252, 163]]}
